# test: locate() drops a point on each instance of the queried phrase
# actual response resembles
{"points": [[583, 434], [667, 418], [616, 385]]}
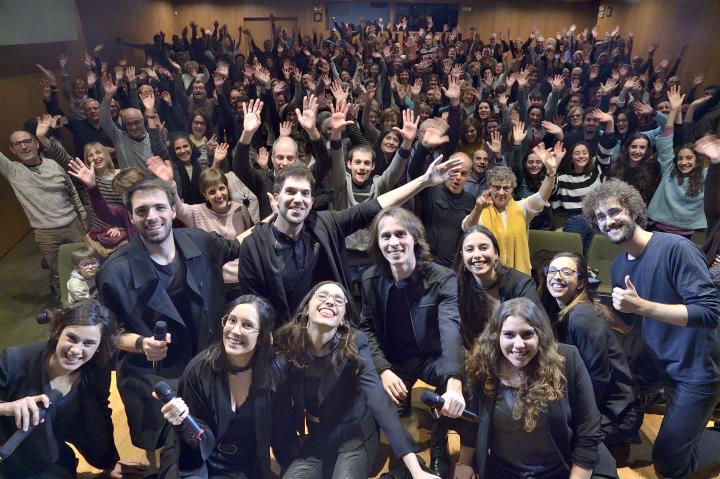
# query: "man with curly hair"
{"points": [[662, 282]]}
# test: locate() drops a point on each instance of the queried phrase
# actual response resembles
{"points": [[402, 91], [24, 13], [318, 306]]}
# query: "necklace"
{"points": [[241, 369]]}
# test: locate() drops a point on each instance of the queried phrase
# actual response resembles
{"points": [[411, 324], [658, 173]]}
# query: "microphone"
{"points": [[19, 436], [159, 334], [435, 401], [166, 394]]}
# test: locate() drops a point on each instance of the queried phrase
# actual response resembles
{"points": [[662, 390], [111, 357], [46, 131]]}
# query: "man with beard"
{"points": [[661, 283], [482, 163], [173, 275], [282, 259]]}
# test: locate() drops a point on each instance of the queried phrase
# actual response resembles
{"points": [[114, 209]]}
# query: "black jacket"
{"points": [[261, 269], [129, 287], [432, 292], [207, 394], [22, 374], [349, 401], [574, 420], [613, 384]]}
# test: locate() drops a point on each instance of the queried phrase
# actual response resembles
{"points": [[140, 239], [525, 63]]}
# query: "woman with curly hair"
{"points": [[677, 205], [637, 165], [535, 403], [578, 320], [337, 392]]}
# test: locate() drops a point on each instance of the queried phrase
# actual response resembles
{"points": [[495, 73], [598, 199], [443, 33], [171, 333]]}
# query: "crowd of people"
{"points": [[322, 222]]}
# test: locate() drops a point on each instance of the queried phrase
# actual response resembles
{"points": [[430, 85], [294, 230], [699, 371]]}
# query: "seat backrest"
{"points": [[65, 267], [601, 254], [554, 241]]}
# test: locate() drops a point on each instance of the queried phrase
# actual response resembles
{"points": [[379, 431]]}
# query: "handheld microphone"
{"points": [[19, 436], [159, 334], [166, 394], [435, 401]]}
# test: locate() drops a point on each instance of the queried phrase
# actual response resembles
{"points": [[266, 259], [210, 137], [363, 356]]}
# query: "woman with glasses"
{"points": [[235, 391], [484, 283], [534, 400], [578, 321], [337, 392]]}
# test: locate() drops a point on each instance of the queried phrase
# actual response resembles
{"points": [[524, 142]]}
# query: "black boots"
{"points": [[439, 455]]}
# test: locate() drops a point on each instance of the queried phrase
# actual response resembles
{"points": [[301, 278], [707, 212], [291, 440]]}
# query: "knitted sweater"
{"points": [[45, 192], [670, 205]]}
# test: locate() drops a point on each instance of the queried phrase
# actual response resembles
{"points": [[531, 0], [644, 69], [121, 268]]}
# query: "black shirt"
{"points": [[401, 332], [442, 213], [236, 450], [300, 259]]}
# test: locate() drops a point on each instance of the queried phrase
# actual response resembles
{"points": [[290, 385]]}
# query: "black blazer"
{"points": [[348, 403], [207, 394], [22, 374], [432, 292], [574, 419], [129, 287], [261, 270]]}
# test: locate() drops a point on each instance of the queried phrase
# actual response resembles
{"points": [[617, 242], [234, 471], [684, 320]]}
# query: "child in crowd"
{"points": [[81, 284]]}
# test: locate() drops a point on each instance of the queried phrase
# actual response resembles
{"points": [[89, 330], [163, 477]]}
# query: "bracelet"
{"points": [[139, 343]]}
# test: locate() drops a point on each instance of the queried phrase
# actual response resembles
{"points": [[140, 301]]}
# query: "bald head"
{"points": [[284, 152], [132, 119]]}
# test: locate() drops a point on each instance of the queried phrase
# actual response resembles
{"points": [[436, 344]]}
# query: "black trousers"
{"points": [[418, 368]]}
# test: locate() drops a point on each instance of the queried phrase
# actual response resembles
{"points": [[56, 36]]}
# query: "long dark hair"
{"points": [[582, 296], [292, 340], [566, 164], [696, 175], [265, 373], [646, 176], [189, 186], [86, 312], [473, 307]]}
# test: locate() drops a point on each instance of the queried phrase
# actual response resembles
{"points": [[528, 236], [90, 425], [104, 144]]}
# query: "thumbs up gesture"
{"points": [[626, 300]]}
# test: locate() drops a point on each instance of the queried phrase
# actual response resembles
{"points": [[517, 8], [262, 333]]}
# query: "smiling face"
{"points": [[471, 134], [536, 116], [501, 193], [361, 166], [534, 164], [390, 143], [285, 151], [395, 242], [560, 286], [92, 111], [479, 255], [183, 149], [480, 162], [218, 196], [198, 126], [76, 346], [621, 123], [637, 150], [483, 109], [198, 90], [152, 215], [294, 200], [326, 308], [685, 160], [240, 331], [24, 146], [99, 158], [133, 121], [614, 222], [518, 342], [580, 158]]}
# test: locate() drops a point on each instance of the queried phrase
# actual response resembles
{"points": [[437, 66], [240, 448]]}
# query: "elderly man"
{"points": [[48, 197], [132, 146]]}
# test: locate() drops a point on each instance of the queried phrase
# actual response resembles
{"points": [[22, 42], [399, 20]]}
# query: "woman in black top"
{"points": [[337, 392], [577, 321], [535, 403], [235, 391], [72, 367], [483, 283]]}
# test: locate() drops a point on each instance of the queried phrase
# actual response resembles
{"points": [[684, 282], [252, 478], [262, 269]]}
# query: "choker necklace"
{"points": [[241, 369]]}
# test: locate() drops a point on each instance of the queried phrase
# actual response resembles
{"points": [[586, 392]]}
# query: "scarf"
{"points": [[513, 240]]}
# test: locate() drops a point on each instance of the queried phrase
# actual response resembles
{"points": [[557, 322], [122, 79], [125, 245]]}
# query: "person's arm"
{"points": [[371, 133], [106, 121], [338, 177], [551, 160], [710, 146]]}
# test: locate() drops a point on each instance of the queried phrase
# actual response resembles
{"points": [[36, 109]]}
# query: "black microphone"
{"points": [[435, 401], [20, 435], [166, 394], [159, 334]]}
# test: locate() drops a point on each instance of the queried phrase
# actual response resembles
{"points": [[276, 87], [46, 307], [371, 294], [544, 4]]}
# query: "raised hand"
{"points": [[160, 168], [698, 79], [557, 83], [559, 152], [339, 92], [109, 87], [436, 134], [167, 98], [632, 83], [522, 77], [675, 98], [147, 96], [78, 170], [44, 123], [307, 117], [251, 116], [552, 128], [62, 60], [409, 129], [285, 128], [547, 157], [338, 117], [709, 145], [608, 87], [519, 133], [417, 87], [626, 300], [263, 158], [221, 152], [495, 143], [47, 73], [130, 73], [91, 79], [440, 172], [602, 116], [452, 92]]}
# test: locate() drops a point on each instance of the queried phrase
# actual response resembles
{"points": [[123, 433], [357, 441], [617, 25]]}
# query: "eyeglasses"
{"points": [[506, 188], [89, 264], [246, 326], [564, 272], [612, 213], [338, 299], [26, 142]]}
